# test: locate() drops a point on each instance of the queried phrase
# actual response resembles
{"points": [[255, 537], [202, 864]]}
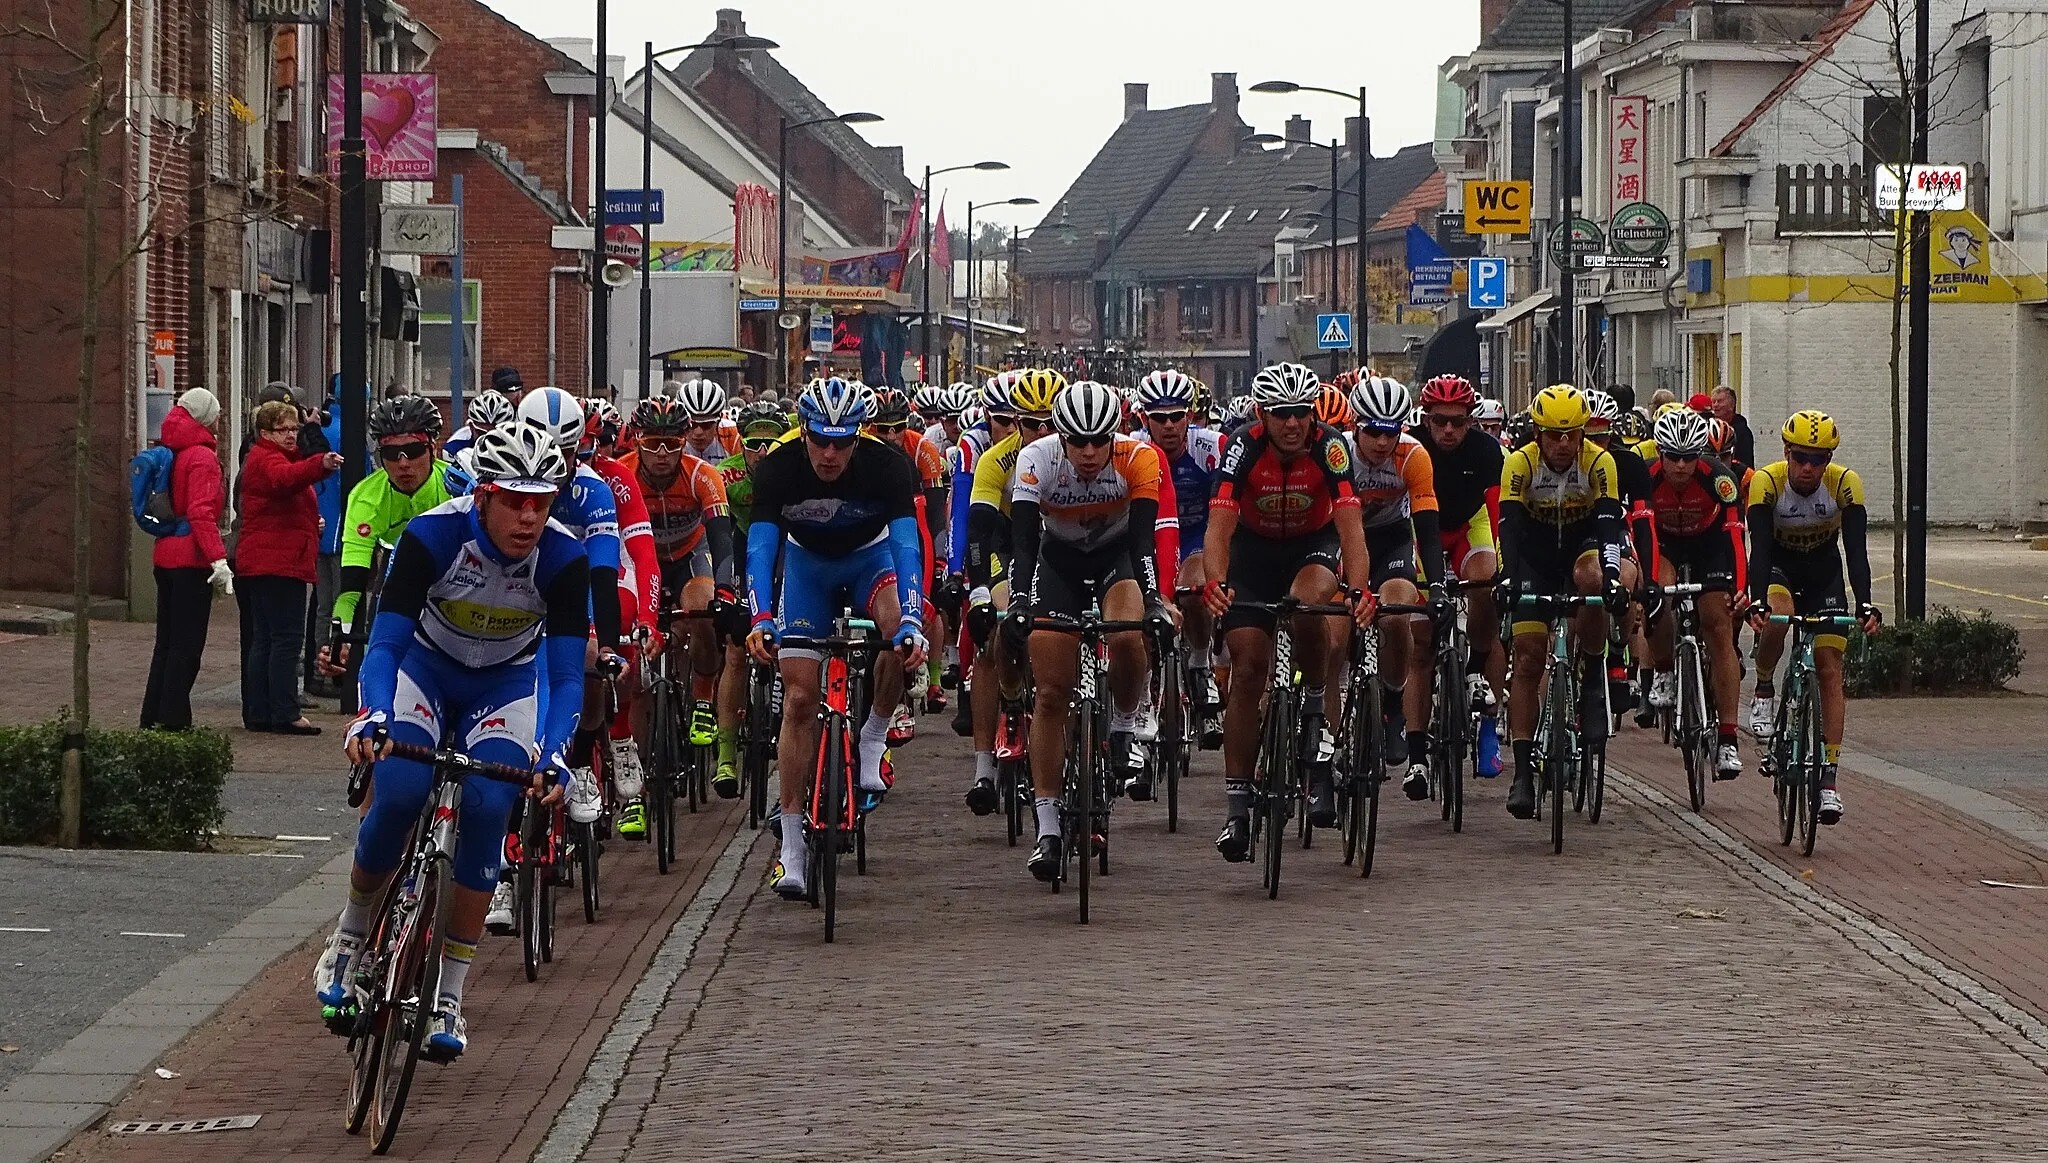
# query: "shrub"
{"points": [[1949, 653], [143, 789]]}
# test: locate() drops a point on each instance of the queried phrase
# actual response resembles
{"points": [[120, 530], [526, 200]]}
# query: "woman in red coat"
{"points": [[274, 562], [188, 565]]}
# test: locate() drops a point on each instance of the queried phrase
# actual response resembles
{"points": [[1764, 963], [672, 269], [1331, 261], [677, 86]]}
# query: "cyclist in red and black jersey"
{"points": [[1697, 501], [1285, 512], [1632, 475], [1466, 461]]}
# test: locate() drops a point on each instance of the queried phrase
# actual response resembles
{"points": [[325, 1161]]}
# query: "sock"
{"points": [[1200, 657], [932, 672], [580, 747], [952, 654], [1312, 700], [874, 739], [1418, 746], [792, 841], [1239, 793], [455, 958], [703, 687], [984, 767], [728, 744], [1831, 753], [1766, 689], [1048, 811], [355, 916], [1122, 720], [1727, 732], [1525, 755]]}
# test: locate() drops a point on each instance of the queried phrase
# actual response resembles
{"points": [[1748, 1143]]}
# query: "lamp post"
{"points": [[1337, 220], [647, 186], [924, 203], [600, 292], [1361, 326], [353, 395], [782, 227], [969, 374]]}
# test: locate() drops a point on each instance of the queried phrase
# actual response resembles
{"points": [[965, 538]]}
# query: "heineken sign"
{"points": [[1639, 230], [1586, 238]]}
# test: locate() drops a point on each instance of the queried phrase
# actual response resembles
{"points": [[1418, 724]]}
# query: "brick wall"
{"points": [[506, 238]]}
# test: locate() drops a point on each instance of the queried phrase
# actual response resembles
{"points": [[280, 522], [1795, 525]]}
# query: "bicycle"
{"points": [[1363, 768], [542, 866], [1279, 783], [396, 979], [760, 728], [1690, 724], [1176, 740], [1563, 748], [1795, 756], [588, 839], [678, 760], [834, 815], [1454, 723]]}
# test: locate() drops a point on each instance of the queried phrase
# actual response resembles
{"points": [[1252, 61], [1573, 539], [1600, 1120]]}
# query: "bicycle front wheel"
{"points": [[586, 867], [834, 767], [526, 906], [417, 970], [1281, 786], [1809, 763], [758, 747]]}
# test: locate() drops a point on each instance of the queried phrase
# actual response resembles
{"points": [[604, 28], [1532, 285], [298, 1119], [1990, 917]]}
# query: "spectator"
{"points": [[1745, 440], [1661, 397], [327, 569], [746, 394], [506, 380], [1624, 396], [187, 565], [274, 560]]}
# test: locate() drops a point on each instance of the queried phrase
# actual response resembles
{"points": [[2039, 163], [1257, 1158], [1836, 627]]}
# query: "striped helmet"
{"points": [[1382, 403], [1087, 408]]}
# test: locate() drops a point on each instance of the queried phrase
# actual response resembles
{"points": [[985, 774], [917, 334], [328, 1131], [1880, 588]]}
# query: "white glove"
{"points": [[222, 576]]}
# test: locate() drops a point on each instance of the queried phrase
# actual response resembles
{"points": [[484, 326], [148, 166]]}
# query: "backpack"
{"points": [[149, 493]]}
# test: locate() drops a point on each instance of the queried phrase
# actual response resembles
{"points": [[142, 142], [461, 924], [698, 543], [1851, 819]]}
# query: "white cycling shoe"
{"points": [[499, 919], [1147, 730], [628, 777], [1830, 806], [1763, 716], [448, 1034], [1664, 690], [1727, 761], [330, 984], [586, 802]]}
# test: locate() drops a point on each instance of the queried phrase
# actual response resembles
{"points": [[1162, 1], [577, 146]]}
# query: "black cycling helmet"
{"points": [[762, 415], [405, 415], [891, 407], [660, 416], [506, 378]]}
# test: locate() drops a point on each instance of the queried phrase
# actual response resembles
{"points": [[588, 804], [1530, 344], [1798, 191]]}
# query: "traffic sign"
{"points": [[1925, 188], [624, 205], [1486, 287], [1497, 207], [760, 305], [1333, 332]]}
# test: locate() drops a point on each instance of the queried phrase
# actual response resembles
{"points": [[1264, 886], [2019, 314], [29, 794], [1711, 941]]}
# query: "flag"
{"points": [[907, 243], [942, 243]]}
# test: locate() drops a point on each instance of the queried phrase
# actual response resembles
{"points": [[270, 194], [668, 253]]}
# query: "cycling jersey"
{"points": [[1632, 477], [1467, 477], [588, 511], [1284, 499], [458, 440], [925, 455], [1807, 523], [377, 512], [739, 489], [1193, 473], [1550, 517], [679, 509], [964, 457], [988, 528], [871, 502], [1088, 513], [1699, 505], [1392, 490], [1793, 539], [720, 446], [470, 603], [1559, 498], [995, 471], [639, 569]]}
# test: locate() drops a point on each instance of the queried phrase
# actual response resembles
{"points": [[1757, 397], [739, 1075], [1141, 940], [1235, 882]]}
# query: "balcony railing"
{"points": [[1837, 200]]}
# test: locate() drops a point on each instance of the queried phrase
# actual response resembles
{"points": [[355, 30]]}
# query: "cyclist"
{"points": [[891, 424], [707, 437], [409, 482], [1465, 463], [1085, 513], [761, 425], [1560, 532], [485, 603], [1633, 476], [1165, 407], [1396, 486], [1698, 506], [1284, 520], [1028, 395], [1805, 515], [689, 509], [840, 508], [1490, 417], [604, 429], [639, 603], [489, 409]]}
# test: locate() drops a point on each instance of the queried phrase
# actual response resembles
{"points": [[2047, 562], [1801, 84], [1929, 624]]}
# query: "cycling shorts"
{"points": [[685, 569], [1546, 562], [1814, 583], [1263, 569], [1474, 536], [1709, 556], [1391, 550], [493, 714], [1067, 576], [815, 588]]}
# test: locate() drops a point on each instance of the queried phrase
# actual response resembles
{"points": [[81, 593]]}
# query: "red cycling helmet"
{"points": [[1454, 390]]}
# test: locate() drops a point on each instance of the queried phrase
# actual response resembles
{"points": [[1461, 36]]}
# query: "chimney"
{"points": [[1136, 95], [1223, 93], [1297, 128], [892, 157], [731, 23], [1351, 136], [1491, 13]]}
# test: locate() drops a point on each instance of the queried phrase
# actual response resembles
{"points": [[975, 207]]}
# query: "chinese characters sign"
{"points": [[400, 114], [1629, 166]]}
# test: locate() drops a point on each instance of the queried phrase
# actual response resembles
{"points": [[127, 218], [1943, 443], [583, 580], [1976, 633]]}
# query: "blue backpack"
{"points": [[149, 493]]}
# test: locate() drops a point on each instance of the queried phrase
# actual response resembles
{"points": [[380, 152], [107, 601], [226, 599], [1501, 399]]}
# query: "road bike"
{"points": [[586, 841], [1690, 724], [834, 820], [1454, 722], [395, 981], [1567, 754], [1278, 788], [1797, 751], [1359, 766], [759, 732], [541, 865]]}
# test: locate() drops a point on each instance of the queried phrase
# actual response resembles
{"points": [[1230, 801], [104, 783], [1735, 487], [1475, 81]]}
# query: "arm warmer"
{"points": [[1166, 532], [907, 547], [1024, 530], [603, 586], [355, 582], [1514, 523], [1145, 551], [981, 531], [1855, 526], [956, 553], [1762, 521], [1611, 531], [764, 537], [1429, 544], [718, 531], [563, 640], [1732, 525], [1642, 526]]}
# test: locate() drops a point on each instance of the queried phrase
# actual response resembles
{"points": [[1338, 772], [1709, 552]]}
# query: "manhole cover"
{"points": [[186, 1126]]}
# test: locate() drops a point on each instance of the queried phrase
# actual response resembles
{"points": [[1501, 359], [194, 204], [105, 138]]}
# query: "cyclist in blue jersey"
{"points": [[1166, 401], [841, 508], [478, 644], [487, 411]]}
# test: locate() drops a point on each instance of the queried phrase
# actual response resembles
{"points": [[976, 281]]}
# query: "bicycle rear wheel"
{"points": [[586, 869], [1171, 750], [834, 768], [1010, 777], [1809, 763], [526, 904], [417, 969]]}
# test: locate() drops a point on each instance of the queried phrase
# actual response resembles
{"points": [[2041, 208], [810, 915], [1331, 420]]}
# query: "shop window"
{"points": [[435, 336]]}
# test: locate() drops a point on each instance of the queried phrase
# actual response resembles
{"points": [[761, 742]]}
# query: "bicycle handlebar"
{"points": [[1291, 605], [1566, 601], [457, 761], [1687, 589], [1817, 621], [833, 642], [1089, 625]]}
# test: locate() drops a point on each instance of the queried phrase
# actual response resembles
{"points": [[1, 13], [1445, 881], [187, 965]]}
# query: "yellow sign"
{"points": [[1497, 207]]}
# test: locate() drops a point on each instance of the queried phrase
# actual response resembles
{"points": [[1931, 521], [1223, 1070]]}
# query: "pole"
{"points": [[353, 391], [647, 222], [1916, 353], [924, 203], [1567, 139], [1336, 228], [1363, 335], [782, 256], [969, 374], [458, 336], [600, 292]]}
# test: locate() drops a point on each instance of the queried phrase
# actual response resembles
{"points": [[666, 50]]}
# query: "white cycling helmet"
{"points": [[1239, 409], [1683, 431], [1285, 385], [557, 413], [600, 415], [835, 407], [955, 399], [701, 399], [1165, 390], [972, 415], [1381, 402], [995, 394], [1605, 411], [1490, 409], [522, 457], [1088, 408], [489, 409]]}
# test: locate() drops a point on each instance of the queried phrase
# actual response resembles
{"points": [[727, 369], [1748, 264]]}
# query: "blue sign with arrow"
{"points": [[1333, 332], [1486, 283]]}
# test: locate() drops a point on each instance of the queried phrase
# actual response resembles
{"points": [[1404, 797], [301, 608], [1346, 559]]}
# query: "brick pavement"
{"points": [[1638, 997], [267, 1053]]}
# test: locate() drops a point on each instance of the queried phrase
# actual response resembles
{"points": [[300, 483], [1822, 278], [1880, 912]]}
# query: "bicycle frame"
{"points": [[1559, 734], [1697, 726], [1279, 783], [1795, 755], [833, 801]]}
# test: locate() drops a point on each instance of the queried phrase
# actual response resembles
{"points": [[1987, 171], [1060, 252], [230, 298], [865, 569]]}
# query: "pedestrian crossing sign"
{"points": [[1333, 332]]}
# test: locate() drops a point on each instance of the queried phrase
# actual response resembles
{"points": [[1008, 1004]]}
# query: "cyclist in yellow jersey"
{"points": [[1805, 514], [1561, 532]]}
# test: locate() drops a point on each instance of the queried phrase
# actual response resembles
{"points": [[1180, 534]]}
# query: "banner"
{"points": [[1629, 163], [1429, 269], [400, 116], [881, 268], [754, 245], [692, 256]]}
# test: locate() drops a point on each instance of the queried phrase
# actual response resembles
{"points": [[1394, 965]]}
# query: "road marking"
{"points": [[308, 839], [144, 933], [21, 929], [577, 1123], [1935, 581], [281, 855]]}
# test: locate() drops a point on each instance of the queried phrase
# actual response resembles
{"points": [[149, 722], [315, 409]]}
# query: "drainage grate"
{"points": [[186, 1126]]}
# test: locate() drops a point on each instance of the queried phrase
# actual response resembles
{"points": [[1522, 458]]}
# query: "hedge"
{"points": [[143, 789], [1946, 654]]}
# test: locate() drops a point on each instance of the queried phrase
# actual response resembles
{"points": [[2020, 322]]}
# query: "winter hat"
{"points": [[201, 406]]}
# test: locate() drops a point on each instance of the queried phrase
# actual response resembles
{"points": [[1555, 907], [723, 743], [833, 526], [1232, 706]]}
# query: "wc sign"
{"points": [[1921, 187]]}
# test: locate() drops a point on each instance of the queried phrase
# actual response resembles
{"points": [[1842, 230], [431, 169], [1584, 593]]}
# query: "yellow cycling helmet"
{"points": [[1812, 429], [1560, 408], [1033, 391]]}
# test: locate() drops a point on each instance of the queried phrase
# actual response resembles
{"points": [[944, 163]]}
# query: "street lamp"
{"points": [[647, 186], [924, 202], [1364, 320], [782, 225], [969, 375]]}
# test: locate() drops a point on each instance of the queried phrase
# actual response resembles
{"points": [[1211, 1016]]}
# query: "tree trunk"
{"points": [[1899, 277]]}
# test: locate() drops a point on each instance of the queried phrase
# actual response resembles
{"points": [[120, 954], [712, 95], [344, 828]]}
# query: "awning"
{"points": [[1500, 319], [960, 321]]}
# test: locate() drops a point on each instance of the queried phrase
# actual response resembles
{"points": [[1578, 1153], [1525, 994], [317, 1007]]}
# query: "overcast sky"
{"points": [[1039, 83]]}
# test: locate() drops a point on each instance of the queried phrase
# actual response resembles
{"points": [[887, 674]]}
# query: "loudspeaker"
{"points": [[618, 274]]}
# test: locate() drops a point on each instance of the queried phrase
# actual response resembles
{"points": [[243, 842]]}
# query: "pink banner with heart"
{"points": [[400, 114]]}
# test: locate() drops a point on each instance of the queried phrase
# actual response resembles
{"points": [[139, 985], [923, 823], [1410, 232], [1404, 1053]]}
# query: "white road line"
{"points": [[308, 839], [143, 933], [21, 929], [281, 855]]}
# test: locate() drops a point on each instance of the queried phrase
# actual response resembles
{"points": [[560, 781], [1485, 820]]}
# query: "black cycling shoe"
{"points": [[1394, 734], [963, 717], [1045, 859], [1124, 751], [1139, 787], [1235, 841], [1212, 731], [1417, 783], [1522, 796], [950, 678], [981, 798], [1322, 802]]}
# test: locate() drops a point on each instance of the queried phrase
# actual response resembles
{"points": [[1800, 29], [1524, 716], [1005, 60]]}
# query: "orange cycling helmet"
{"points": [[1333, 406]]}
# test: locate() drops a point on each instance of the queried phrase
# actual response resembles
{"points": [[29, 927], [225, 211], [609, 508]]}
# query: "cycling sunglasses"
{"points": [[1035, 423], [759, 443], [1809, 459], [1087, 441], [410, 450], [662, 443], [1290, 412], [1680, 457], [840, 443], [1448, 421], [892, 427], [711, 423], [1173, 417], [1003, 418]]}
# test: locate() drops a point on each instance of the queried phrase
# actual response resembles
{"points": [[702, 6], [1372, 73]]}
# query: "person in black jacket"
{"points": [[1724, 408]]}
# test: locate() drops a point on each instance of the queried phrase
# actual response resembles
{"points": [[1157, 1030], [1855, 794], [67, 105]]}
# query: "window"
{"points": [[257, 99], [434, 335], [1223, 217], [309, 98], [1887, 130], [1197, 307], [220, 119]]}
